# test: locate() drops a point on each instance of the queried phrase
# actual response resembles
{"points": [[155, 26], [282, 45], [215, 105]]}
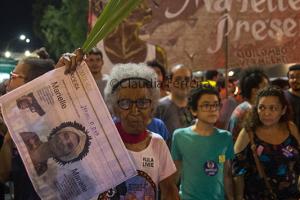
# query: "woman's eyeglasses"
{"points": [[14, 75], [126, 104]]}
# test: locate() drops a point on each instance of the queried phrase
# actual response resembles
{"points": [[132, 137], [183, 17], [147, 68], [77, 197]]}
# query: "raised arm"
{"points": [[70, 60]]}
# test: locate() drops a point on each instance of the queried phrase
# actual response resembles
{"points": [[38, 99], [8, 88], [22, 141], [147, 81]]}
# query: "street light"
{"points": [[22, 37], [27, 53], [7, 54], [230, 73]]}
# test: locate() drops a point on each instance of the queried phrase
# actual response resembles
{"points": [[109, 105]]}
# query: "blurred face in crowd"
{"points": [[63, 143], [17, 77], [181, 82], [95, 63], [208, 109], [294, 80], [159, 74], [264, 83], [134, 108], [270, 110]]}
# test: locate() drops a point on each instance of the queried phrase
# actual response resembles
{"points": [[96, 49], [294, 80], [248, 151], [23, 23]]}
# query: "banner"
{"points": [[264, 32], [206, 34], [65, 136]]}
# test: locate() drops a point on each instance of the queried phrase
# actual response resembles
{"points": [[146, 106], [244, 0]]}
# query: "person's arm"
{"points": [[239, 185], [294, 131], [70, 60], [178, 172], [238, 181], [241, 142], [168, 188], [5, 158], [167, 171], [228, 183]]}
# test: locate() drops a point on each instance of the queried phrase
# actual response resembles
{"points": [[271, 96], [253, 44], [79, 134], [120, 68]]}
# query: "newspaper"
{"points": [[65, 136]]}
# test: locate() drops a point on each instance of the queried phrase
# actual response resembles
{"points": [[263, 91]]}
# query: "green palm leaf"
{"points": [[113, 14]]}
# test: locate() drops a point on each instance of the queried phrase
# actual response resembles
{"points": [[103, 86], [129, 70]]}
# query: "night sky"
{"points": [[15, 19]]}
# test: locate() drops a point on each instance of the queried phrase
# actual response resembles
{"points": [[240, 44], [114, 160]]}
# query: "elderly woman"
{"points": [[132, 97], [267, 151]]}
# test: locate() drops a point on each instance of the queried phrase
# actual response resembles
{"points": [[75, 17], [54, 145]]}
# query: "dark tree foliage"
{"points": [[61, 24]]}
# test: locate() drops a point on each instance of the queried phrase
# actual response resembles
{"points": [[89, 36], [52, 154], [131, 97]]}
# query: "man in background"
{"points": [[161, 76], [172, 109], [94, 60], [293, 94]]}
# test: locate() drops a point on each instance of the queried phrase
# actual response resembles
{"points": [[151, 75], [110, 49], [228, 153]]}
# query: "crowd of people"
{"points": [[202, 144]]}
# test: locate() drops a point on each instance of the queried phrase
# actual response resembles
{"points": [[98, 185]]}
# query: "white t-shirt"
{"points": [[154, 164]]}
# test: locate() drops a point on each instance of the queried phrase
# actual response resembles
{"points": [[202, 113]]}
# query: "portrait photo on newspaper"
{"points": [[67, 143], [29, 101]]}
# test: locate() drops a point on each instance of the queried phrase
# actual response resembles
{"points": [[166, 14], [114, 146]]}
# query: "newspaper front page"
{"points": [[65, 136]]}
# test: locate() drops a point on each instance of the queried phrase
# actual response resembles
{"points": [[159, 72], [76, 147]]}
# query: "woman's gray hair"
{"points": [[124, 72]]}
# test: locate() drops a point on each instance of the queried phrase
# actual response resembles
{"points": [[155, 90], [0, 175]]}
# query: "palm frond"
{"points": [[113, 14]]}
